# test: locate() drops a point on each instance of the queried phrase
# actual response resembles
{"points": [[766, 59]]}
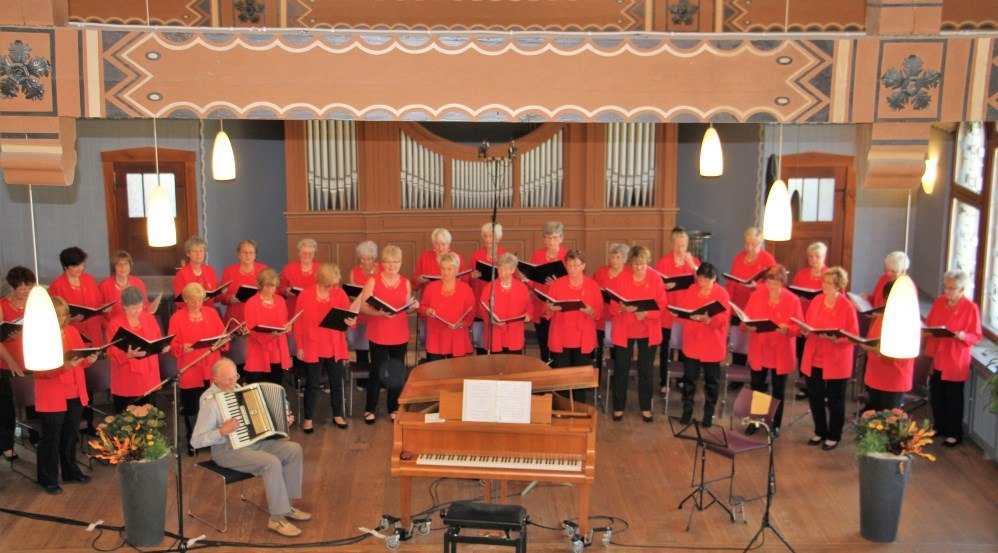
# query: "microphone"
{"points": [[483, 150], [512, 149]]}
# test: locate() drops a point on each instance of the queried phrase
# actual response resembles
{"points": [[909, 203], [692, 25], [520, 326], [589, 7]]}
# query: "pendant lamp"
{"points": [[161, 227], [41, 337], [902, 335], [711, 154], [777, 219], [223, 160], [929, 176]]}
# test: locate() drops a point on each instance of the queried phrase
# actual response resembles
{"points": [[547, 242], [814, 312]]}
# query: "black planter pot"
{"points": [[143, 500], [881, 493]]}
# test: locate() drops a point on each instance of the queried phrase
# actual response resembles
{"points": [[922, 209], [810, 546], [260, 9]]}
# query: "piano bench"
{"points": [[474, 515], [226, 476]]}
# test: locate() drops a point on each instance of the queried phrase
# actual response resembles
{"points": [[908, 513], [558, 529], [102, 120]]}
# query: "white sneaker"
{"points": [[284, 528]]}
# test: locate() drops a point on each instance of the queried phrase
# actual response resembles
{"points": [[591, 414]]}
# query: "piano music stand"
{"points": [[693, 431]]}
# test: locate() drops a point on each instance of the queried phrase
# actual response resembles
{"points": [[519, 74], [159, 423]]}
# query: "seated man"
{"points": [[278, 462]]}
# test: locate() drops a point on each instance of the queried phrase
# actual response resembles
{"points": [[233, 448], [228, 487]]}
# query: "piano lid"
{"points": [[427, 380]]}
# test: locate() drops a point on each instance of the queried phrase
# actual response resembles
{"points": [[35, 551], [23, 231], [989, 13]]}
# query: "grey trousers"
{"points": [[278, 462]]}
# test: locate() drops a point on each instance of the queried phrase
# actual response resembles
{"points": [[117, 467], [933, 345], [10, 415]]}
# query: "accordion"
{"points": [[261, 409]]}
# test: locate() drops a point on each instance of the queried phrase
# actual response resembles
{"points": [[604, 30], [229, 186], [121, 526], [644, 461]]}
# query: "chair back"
{"points": [[608, 334], [738, 341], [921, 371], [357, 337], [743, 408], [167, 366], [98, 376], [24, 391], [676, 337], [237, 350]]}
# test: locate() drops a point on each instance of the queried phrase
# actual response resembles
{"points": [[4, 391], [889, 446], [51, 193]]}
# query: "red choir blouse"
{"points": [[626, 325], [187, 331], [358, 278], [87, 295], [878, 298], [315, 340], [509, 302], [774, 350], [886, 373], [11, 313], [452, 307], [293, 276], [574, 329], [394, 330], [738, 292], [477, 284], [834, 357], [667, 267], [53, 388], [706, 342], [949, 355], [109, 291], [804, 279], [208, 280], [603, 278], [427, 265], [136, 376], [540, 257], [233, 273], [265, 348]]}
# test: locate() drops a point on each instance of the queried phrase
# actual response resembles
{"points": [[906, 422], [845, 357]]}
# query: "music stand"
{"points": [[770, 490], [693, 431]]}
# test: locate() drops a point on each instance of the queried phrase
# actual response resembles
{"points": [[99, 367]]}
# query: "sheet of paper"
{"points": [[513, 402], [479, 401]]}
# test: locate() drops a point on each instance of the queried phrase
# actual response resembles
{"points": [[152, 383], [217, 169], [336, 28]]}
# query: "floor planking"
{"points": [[642, 474]]}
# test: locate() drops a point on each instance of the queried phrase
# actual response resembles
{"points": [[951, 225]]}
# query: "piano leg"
{"points": [[405, 488], [584, 509]]}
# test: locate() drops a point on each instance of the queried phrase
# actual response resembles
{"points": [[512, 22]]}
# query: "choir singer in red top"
{"points": [[133, 372], [449, 307], [705, 340]]}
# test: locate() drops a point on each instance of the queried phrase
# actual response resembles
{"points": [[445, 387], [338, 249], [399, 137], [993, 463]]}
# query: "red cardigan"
{"points": [[539, 258], [508, 303], [886, 373], [603, 278], [186, 331], [293, 276], [667, 266], [774, 350], [86, 294], [264, 348], [459, 305], [626, 325], [427, 265], [134, 377], [706, 342], [835, 358], [574, 329], [109, 292], [390, 331], [238, 278], [803, 279], [53, 388], [477, 284], [951, 356], [208, 280], [315, 340], [739, 293]]}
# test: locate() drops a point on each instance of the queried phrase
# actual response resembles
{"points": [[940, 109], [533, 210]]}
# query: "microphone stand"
{"points": [[770, 490], [483, 153], [175, 384]]}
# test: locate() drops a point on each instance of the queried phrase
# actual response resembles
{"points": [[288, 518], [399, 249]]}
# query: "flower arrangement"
{"points": [[135, 434], [892, 431]]}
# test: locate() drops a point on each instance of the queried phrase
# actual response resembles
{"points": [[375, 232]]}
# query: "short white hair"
{"points": [[818, 247], [367, 248], [307, 243], [959, 278], [496, 232], [897, 261], [440, 235], [553, 227], [620, 248]]}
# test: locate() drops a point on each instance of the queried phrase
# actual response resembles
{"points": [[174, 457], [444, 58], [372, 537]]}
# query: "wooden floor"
{"points": [[642, 474]]}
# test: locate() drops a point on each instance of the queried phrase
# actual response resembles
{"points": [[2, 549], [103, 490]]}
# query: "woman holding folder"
{"points": [[196, 270], [705, 340], [490, 239], [79, 288], [554, 235], [298, 274], [606, 276], [267, 354], [827, 360], [572, 337], [133, 371], [449, 307], [121, 278], [636, 328], [512, 299], [678, 262], [194, 330], [238, 275], [772, 353], [21, 280], [323, 349]]}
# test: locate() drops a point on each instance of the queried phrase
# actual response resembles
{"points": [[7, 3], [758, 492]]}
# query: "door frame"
{"points": [[146, 154]]}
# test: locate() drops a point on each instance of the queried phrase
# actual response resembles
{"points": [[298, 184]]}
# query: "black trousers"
{"points": [[379, 354], [711, 379], [880, 400], [541, 328], [122, 402], [622, 367], [573, 357], [275, 375], [827, 399], [947, 405], [7, 416], [779, 384], [57, 448], [335, 371], [664, 356], [438, 356]]}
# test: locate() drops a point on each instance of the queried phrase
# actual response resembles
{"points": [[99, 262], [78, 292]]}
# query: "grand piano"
{"points": [[560, 450]]}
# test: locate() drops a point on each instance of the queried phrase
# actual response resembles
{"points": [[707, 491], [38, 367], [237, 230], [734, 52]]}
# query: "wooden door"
{"points": [[129, 176], [822, 188]]}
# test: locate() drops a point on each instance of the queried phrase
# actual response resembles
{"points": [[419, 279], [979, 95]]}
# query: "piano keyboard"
{"points": [[559, 463]]}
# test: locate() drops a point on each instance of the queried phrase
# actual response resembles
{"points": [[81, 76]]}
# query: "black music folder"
{"points": [[710, 309], [681, 282], [644, 304], [87, 352], [565, 305], [352, 290], [381, 305], [207, 342], [295, 290], [88, 312], [806, 293], [488, 272], [833, 332], [124, 338], [498, 320], [438, 277], [8, 328], [245, 292], [750, 280], [208, 294], [336, 319], [277, 329], [860, 341], [939, 332], [760, 325], [540, 273], [452, 325]]}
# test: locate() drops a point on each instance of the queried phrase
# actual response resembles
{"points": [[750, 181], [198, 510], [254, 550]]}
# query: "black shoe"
{"points": [[647, 418], [77, 479], [340, 425], [707, 422], [952, 442], [53, 489], [190, 450], [369, 418], [618, 418], [814, 440], [307, 430], [830, 445], [751, 429], [686, 418]]}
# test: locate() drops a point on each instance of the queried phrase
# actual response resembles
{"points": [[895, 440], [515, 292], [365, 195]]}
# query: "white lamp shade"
{"points": [[777, 221], [160, 224], [223, 160], [901, 337], [711, 155], [41, 337], [929, 176]]}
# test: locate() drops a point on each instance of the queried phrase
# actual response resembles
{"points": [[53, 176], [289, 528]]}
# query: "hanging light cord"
{"points": [[761, 175]]}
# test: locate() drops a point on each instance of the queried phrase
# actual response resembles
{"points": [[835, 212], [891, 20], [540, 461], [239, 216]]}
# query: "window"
{"points": [[815, 198], [140, 187]]}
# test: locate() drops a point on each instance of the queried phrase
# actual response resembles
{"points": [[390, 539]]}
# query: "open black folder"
{"points": [[749, 280], [644, 304], [7, 328], [277, 329], [806, 293], [352, 290], [336, 319], [864, 307], [88, 312], [710, 309], [833, 332], [245, 292], [565, 305], [760, 325], [208, 294], [125, 338], [498, 320], [487, 272], [381, 305], [681, 282], [540, 273], [87, 352], [938, 332]]}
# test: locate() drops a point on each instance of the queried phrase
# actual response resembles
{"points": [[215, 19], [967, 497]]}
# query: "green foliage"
{"points": [[135, 434], [892, 431]]}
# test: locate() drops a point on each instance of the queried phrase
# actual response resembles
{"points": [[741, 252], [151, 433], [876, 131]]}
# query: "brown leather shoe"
{"points": [[298, 515], [284, 528]]}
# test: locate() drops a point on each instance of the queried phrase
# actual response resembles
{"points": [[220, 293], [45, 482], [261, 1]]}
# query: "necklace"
{"points": [[392, 285]]}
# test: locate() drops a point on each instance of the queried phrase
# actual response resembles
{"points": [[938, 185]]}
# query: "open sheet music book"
{"points": [[277, 329], [565, 305], [455, 324], [352, 290], [336, 319], [806, 293], [382, 305], [859, 340], [7, 328], [760, 325], [710, 309], [488, 272], [643, 304], [749, 280], [506, 401], [207, 342], [87, 352], [864, 307], [88, 312], [438, 277], [124, 338], [681, 282], [540, 273], [208, 294], [939, 331], [245, 292], [837, 333], [498, 320]]}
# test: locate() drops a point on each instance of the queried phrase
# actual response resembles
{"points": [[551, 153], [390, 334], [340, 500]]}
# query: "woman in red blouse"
{"points": [[951, 356], [196, 270], [240, 274], [323, 349], [490, 240], [511, 299], [79, 288], [21, 280], [447, 302], [705, 340], [188, 326], [133, 373], [605, 276], [121, 278], [895, 265], [634, 329], [299, 274], [748, 263], [828, 360], [60, 396], [572, 336], [886, 379], [677, 263], [810, 277], [773, 355], [267, 354], [554, 235], [388, 333], [367, 268], [428, 264]]}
